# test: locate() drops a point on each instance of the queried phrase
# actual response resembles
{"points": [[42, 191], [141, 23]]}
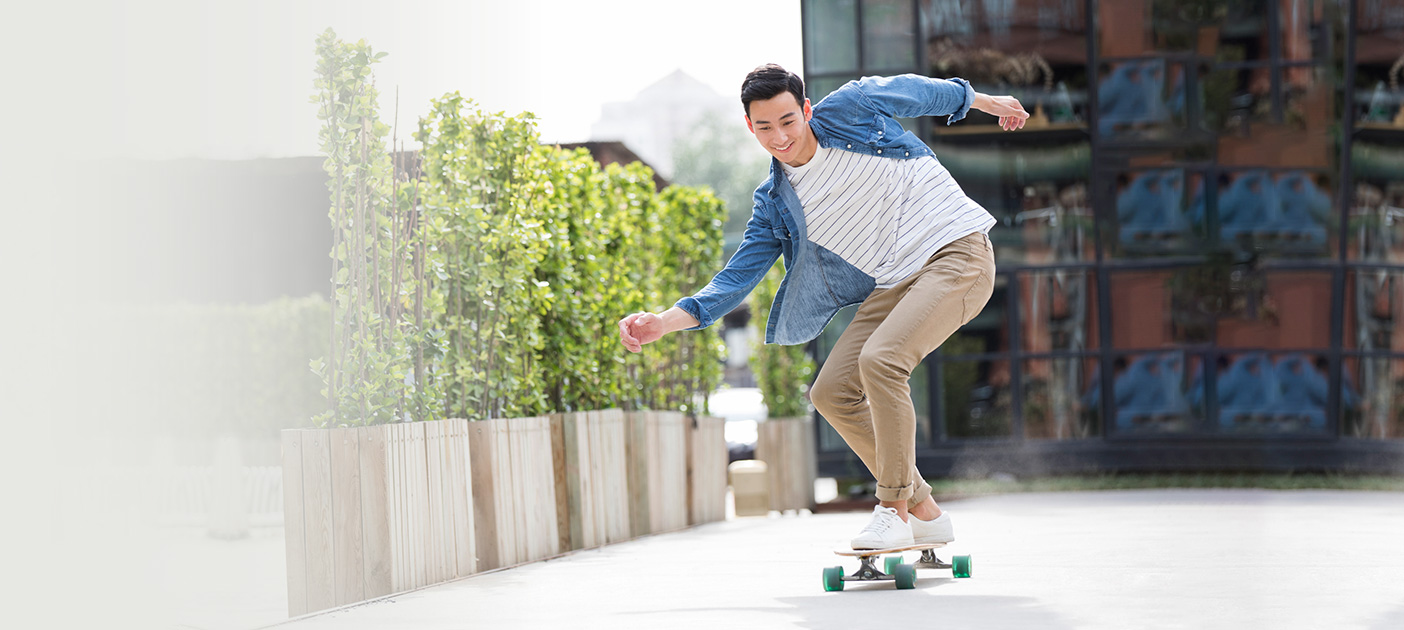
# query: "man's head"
{"points": [[778, 113]]}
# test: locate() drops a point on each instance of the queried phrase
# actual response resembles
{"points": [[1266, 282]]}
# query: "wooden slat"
{"points": [[672, 471], [566, 477], [375, 511], [400, 447], [591, 514], [615, 443], [420, 489], [347, 542], [462, 477], [636, 453], [435, 554], [317, 519], [482, 442], [294, 543], [546, 474], [507, 530]]}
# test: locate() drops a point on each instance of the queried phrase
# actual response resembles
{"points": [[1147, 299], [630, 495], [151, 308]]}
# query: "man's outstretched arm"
{"points": [[752, 260], [912, 95]]}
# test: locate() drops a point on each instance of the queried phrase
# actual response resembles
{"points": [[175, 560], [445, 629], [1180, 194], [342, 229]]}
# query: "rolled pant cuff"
{"points": [[920, 494], [903, 493]]}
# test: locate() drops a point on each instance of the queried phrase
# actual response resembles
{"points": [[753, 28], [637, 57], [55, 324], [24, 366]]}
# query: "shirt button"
{"points": [[879, 133], [850, 146], [909, 153], [879, 151]]}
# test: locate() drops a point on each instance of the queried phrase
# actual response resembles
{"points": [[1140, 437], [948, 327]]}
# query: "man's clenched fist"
{"points": [[639, 329]]}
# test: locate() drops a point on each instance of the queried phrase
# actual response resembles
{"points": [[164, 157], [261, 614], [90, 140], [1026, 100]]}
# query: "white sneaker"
{"points": [[885, 531], [937, 530]]}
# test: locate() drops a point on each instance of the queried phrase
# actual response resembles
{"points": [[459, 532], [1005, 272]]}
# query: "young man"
{"points": [[863, 213]]}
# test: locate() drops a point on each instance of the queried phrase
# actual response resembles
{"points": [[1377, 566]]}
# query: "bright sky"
{"points": [[232, 79]]}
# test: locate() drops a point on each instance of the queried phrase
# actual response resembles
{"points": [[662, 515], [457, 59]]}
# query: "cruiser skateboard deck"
{"points": [[904, 575]]}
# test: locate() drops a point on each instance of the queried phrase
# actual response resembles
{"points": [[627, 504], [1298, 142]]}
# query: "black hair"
{"points": [[769, 81]]}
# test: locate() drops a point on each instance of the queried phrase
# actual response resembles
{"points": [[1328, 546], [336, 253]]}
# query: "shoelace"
{"points": [[882, 521]]}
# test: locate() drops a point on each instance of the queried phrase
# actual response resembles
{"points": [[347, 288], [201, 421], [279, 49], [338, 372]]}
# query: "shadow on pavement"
{"points": [[863, 607]]}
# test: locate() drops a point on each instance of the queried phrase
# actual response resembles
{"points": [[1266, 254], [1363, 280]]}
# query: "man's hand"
{"points": [[1011, 114], [639, 329]]}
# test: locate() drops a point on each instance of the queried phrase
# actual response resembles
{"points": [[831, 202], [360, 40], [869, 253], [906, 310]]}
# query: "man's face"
{"points": [[781, 125]]}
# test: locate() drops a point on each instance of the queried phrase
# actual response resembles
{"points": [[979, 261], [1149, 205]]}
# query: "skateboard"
{"points": [[893, 568]]}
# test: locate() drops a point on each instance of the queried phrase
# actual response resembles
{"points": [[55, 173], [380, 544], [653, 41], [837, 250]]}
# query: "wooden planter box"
{"points": [[657, 463], [592, 484], [372, 511], [707, 458], [514, 494], [786, 445]]}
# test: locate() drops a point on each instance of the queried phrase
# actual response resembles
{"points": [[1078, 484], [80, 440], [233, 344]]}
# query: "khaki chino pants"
{"points": [[863, 390]]}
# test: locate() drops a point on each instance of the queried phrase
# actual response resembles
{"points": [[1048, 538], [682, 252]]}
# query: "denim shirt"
{"points": [[861, 116]]}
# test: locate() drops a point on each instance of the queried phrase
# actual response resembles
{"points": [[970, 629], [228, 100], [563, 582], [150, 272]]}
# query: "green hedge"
{"points": [[540, 252], [524, 258]]}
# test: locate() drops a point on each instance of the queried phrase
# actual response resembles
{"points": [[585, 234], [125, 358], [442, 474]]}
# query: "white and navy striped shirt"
{"points": [[884, 216]]}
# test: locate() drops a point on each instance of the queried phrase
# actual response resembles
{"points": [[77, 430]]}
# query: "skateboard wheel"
{"points": [[890, 562], [833, 579], [905, 575], [960, 566]]}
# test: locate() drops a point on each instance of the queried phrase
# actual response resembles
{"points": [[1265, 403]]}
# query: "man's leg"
{"points": [[838, 390], [947, 292]]}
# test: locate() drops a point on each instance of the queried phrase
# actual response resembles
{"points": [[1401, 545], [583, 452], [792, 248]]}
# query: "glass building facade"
{"points": [[1200, 245]]}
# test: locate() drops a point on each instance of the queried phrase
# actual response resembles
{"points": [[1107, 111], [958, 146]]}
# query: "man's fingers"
{"points": [[624, 334]]}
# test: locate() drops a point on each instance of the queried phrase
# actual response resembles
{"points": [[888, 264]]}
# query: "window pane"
{"points": [[1146, 98], [1035, 51], [1373, 299], [1154, 393], [975, 398], [831, 35], [1037, 190], [1260, 393], [889, 33], [816, 89], [1276, 309], [1152, 309], [1157, 211], [1058, 310], [1376, 228], [1062, 399], [1379, 38], [1242, 28], [1372, 397]]}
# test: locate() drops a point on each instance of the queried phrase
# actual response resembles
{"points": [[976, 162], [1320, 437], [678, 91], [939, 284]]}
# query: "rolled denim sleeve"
{"points": [[747, 267], [912, 95]]}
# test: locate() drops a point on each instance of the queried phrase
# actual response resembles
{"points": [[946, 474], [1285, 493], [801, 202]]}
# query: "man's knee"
{"points": [[832, 397], [881, 364]]}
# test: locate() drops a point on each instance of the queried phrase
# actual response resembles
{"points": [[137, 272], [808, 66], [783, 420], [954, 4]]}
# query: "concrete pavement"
{"points": [[1142, 559]]}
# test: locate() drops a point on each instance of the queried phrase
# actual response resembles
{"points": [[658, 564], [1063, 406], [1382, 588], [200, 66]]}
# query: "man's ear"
{"points": [[808, 113], [748, 125]]}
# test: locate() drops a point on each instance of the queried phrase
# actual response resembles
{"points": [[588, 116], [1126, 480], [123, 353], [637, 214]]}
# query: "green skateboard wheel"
{"points": [[905, 575], [960, 566], [833, 579], [891, 562]]}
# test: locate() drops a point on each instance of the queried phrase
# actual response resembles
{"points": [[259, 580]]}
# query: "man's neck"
{"points": [[802, 159]]}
